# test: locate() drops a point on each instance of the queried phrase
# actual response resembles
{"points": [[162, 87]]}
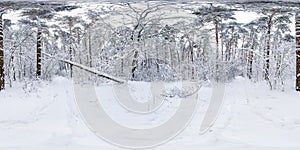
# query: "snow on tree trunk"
{"points": [[134, 63], [267, 53], [192, 59], [298, 51], [38, 53], [2, 81], [90, 48], [70, 23], [217, 38], [250, 64], [250, 56]]}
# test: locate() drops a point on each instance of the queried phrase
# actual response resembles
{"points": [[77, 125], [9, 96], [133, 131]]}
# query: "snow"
{"points": [[245, 17], [44, 115]]}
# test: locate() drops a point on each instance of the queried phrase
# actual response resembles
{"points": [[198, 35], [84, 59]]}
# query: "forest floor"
{"points": [[44, 116]]}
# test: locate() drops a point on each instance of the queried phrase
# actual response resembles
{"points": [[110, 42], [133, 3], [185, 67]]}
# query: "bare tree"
{"points": [[141, 18]]}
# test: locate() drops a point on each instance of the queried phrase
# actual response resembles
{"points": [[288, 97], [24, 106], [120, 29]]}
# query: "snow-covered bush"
{"points": [[154, 70]]}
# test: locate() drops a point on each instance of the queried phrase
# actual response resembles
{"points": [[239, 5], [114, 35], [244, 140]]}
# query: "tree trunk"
{"points": [[192, 59], [224, 54], [157, 58], [250, 57], [268, 46], [232, 45], [122, 66], [90, 48], [250, 62], [217, 38], [2, 80], [298, 51], [134, 63], [171, 57], [217, 73], [39, 53], [71, 51]]}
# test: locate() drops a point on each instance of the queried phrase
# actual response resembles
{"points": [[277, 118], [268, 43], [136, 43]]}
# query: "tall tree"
{"points": [[215, 14], [141, 18], [36, 16], [298, 51], [2, 80], [251, 44], [39, 53], [272, 17], [71, 22]]}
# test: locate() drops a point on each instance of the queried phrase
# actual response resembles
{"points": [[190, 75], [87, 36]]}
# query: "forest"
{"points": [[147, 42], [153, 74]]}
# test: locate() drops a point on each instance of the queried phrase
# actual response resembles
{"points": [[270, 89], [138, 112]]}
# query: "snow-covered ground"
{"points": [[44, 116]]}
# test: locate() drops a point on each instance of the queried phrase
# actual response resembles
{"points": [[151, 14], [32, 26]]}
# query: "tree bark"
{"points": [[217, 73], [39, 53], [192, 59], [2, 80], [90, 48], [268, 47], [134, 63], [70, 50], [217, 38], [298, 51], [250, 62], [250, 56]]}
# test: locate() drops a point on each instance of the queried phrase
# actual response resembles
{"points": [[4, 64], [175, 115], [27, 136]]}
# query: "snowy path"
{"points": [[252, 118]]}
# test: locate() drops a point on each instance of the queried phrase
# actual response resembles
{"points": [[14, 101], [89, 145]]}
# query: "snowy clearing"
{"points": [[252, 118]]}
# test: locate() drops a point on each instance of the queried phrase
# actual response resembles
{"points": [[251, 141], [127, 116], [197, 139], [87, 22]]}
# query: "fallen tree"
{"points": [[91, 70]]}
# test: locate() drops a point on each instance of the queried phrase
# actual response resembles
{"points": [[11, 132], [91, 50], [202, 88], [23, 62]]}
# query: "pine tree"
{"points": [[272, 17], [36, 16], [2, 80], [39, 53], [298, 51], [215, 14], [251, 44]]}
